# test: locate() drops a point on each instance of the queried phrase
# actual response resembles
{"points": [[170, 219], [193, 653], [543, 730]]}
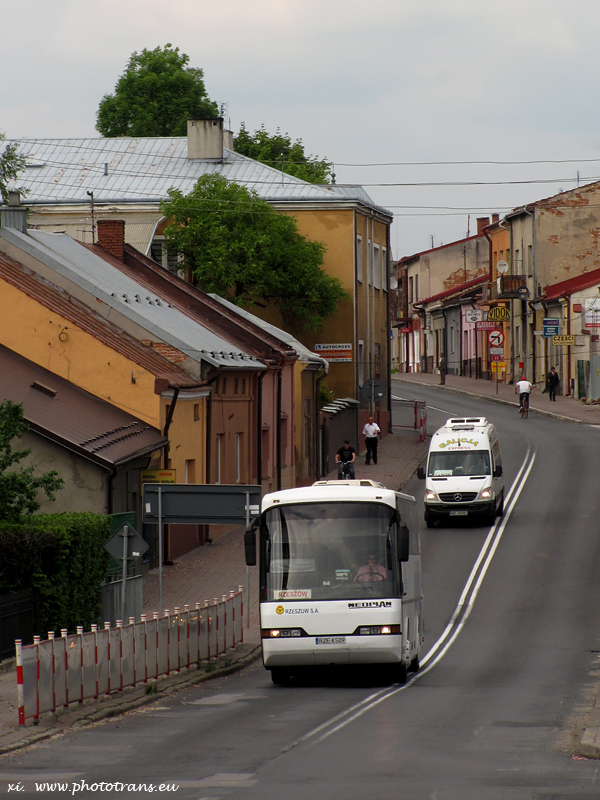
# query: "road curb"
{"points": [[99, 709]]}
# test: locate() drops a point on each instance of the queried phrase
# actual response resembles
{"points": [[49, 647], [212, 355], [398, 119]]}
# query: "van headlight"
{"points": [[486, 494], [430, 495]]}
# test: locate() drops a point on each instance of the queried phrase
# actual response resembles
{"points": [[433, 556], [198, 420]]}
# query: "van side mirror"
{"points": [[402, 543], [250, 544], [420, 473], [498, 471]]}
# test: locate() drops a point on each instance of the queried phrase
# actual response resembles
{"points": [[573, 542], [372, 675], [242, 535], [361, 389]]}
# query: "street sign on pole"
{"points": [[201, 504], [495, 338], [125, 545], [551, 326]]}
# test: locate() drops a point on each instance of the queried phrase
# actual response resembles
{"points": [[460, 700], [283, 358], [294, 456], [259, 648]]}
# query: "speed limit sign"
{"points": [[495, 338]]}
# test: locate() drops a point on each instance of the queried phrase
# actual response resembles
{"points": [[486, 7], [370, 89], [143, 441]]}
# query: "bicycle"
{"points": [[524, 410]]}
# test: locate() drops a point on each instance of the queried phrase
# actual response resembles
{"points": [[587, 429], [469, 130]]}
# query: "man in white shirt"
{"points": [[522, 388], [370, 432]]}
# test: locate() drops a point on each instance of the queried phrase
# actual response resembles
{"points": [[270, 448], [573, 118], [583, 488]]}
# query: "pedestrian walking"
{"points": [[371, 432], [442, 369], [552, 381]]}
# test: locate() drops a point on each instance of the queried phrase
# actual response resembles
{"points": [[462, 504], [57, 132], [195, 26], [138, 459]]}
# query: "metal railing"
{"points": [[55, 672], [411, 414]]}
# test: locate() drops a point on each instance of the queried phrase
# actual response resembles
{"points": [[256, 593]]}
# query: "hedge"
{"points": [[62, 558]]}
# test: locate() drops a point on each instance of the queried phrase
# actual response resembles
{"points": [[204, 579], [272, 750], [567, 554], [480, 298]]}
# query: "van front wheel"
{"points": [[428, 520], [500, 509]]}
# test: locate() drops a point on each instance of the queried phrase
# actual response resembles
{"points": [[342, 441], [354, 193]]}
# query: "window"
{"points": [[196, 412], [416, 288], [369, 263], [376, 267], [377, 361], [359, 259], [411, 297], [384, 269], [361, 362], [165, 256], [190, 471]]}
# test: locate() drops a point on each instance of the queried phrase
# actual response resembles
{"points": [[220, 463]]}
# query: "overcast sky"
{"points": [[398, 83]]}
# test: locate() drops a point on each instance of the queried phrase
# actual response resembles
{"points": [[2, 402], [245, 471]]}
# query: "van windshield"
{"points": [[455, 463]]}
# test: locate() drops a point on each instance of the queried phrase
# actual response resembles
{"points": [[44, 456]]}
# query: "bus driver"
{"points": [[371, 571]]}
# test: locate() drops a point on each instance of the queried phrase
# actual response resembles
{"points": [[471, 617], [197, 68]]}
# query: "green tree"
{"points": [[19, 487], [278, 151], [155, 96], [237, 246], [11, 163]]}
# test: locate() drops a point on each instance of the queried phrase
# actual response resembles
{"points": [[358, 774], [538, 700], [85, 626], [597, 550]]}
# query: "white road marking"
{"points": [[459, 617]]}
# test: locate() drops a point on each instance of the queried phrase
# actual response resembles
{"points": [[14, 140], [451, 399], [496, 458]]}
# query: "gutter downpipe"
{"points": [[532, 215], [489, 238], [278, 432], [388, 253], [168, 421], [259, 402], [567, 299], [317, 437]]}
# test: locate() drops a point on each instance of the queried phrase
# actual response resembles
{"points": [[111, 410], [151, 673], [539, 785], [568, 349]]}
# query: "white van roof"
{"points": [[466, 423]]}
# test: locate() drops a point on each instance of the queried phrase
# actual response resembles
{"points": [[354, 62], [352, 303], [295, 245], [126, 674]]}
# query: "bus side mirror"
{"points": [[402, 544], [498, 471], [250, 545], [420, 473]]}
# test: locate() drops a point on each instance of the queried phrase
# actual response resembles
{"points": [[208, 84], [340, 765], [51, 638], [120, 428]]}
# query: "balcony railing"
{"points": [[503, 288]]}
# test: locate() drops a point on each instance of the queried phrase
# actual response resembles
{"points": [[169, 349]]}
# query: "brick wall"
{"points": [[111, 236]]}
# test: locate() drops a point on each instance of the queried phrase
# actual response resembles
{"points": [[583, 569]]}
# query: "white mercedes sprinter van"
{"points": [[463, 477]]}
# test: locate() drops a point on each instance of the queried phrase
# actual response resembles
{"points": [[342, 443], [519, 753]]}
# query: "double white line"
{"points": [[454, 627]]}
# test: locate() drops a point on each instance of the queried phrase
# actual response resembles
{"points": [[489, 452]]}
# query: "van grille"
{"points": [[457, 497]]}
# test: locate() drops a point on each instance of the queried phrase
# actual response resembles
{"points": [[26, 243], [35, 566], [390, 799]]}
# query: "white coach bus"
{"points": [[340, 578]]}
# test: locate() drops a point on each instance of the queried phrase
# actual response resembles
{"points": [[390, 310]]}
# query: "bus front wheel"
{"points": [[280, 676]]}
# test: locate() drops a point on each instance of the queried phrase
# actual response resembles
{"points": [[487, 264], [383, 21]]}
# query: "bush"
{"points": [[62, 558]]}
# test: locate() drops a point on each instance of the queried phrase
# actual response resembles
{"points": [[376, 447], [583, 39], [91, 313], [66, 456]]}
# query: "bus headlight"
{"points": [[281, 633], [378, 630]]}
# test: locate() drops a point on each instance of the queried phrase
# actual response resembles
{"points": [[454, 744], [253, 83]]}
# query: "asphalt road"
{"points": [[513, 634]]}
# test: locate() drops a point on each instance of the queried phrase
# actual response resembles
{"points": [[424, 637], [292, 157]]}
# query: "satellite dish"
{"points": [[502, 267]]}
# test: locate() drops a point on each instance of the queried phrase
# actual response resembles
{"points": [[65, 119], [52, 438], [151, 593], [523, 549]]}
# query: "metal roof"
{"points": [[119, 291], [72, 417], [60, 302], [142, 170], [304, 354]]}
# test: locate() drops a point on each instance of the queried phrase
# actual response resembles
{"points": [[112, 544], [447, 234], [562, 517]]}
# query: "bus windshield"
{"points": [[325, 551], [459, 462]]}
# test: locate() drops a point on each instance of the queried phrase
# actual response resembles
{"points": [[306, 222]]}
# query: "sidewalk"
{"points": [[213, 570]]}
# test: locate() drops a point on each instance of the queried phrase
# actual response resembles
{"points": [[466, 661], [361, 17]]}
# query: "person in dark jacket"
{"points": [[552, 382]]}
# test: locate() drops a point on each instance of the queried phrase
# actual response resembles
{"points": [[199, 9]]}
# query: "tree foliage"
{"points": [[11, 164], [19, 487], [155, 96], [237, 246], [278, 151]]}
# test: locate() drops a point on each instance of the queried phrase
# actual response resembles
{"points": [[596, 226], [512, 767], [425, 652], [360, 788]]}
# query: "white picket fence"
{"points": [[55, 672]]}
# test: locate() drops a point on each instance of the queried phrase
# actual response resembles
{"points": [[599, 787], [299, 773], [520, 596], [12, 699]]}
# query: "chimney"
{"points": [[495, 218], [111, 236], [481, 223], [205, 138], [14, 215]]}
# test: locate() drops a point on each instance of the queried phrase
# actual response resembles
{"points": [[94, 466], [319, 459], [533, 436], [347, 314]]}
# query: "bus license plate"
{"points": [[330, 640], [459, 513]]}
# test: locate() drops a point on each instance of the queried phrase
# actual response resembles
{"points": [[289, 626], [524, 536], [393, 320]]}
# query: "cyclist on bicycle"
{"points": [[523, 389], [345, 458]]}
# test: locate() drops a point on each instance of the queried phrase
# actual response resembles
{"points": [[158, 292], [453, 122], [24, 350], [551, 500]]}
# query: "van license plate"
{"points": [[330, 640], [459, 513]]}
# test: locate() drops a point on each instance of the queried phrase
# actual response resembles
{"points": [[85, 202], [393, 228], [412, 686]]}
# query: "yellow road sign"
{"points": [[498, 314], [564, 339]]}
